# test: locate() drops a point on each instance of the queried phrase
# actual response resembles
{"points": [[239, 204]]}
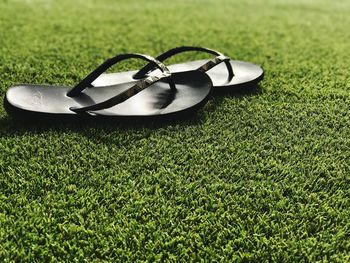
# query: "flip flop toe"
{"points": [[161, 94]]}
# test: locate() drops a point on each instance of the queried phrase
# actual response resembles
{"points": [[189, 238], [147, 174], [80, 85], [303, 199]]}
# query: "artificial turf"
{"points": [[254, 176]]}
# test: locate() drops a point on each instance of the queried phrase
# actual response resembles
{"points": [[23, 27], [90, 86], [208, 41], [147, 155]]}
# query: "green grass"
{"points": [[252, 177]]}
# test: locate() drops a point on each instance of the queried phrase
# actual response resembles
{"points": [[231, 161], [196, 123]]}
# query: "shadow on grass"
{"points": [[11, 127]]}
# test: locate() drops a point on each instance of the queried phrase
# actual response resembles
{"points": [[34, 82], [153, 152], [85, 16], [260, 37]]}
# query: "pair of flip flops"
{"points": [[151, 92]]}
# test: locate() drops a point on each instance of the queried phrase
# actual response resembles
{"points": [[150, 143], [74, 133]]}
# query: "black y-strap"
{"points": [[210, 64], [86, 82], [139, 86]]}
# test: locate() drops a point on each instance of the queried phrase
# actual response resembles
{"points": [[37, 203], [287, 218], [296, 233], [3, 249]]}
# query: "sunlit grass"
{"points": [[252, 177]]}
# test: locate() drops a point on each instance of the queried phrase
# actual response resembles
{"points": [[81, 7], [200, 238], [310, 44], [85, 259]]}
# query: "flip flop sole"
{"points": [[158, 100], [246, 74]]}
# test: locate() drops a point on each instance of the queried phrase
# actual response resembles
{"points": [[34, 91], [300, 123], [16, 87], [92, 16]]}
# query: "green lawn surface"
{"points": [[252, 177]]}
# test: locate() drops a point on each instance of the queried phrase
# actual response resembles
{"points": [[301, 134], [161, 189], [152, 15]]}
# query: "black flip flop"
{"points": [[161, 94], [227, 76]]}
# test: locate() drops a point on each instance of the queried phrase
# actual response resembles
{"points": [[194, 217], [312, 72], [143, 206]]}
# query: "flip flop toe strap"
{"points": [[139, 86], [207, 66], [86, 82], [215, 61]]}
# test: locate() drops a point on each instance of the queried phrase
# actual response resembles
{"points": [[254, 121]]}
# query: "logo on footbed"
{"points": [[37, 98]]}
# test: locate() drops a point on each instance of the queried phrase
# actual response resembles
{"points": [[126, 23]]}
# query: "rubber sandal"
{"points": [[158, 95], [226, 76]]}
